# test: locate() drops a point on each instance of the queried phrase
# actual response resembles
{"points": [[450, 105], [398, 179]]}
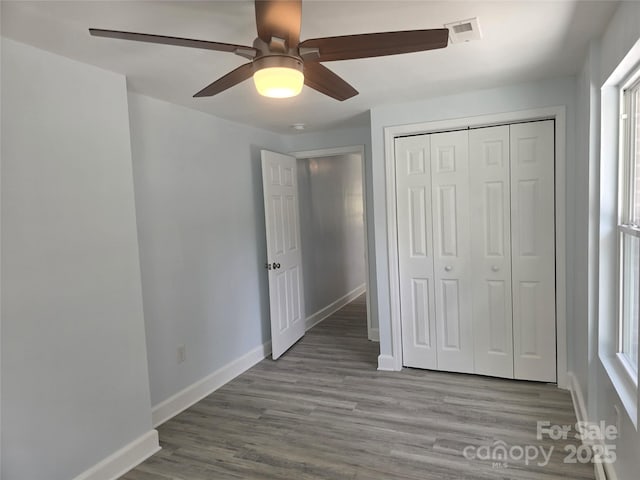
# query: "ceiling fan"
{"points": [[280, 63]]}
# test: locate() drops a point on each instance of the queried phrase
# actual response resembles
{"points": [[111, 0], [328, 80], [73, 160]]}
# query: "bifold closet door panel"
{"points": [[533, 250], [415, 251], [489, 187], [451, 239]]}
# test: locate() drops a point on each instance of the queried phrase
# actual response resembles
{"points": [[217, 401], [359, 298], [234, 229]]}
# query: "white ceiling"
{"points": [[523, 41]]}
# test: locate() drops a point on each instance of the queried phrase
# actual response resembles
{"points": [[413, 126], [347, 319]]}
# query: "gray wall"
{"points": [[199, 204], [621, 34], [578, 353], [0, 244], [331, 228], [74, 370], [70, 264], [505, 99]]}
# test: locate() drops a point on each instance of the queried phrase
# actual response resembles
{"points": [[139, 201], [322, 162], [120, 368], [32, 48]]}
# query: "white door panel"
{"points": [[415, 249], [452, 266], [533, 250], [491, 250], [284, 258], [476, 244]]}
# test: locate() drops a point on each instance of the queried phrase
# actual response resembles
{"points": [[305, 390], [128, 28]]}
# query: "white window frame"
{"points": [[626, 226], [612, 145]]}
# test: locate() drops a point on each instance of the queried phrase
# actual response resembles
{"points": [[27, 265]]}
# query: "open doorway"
{"points": [[333, 230]]}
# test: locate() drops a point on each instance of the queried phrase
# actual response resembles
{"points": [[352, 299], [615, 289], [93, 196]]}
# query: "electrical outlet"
{"points": [[182, 353]]}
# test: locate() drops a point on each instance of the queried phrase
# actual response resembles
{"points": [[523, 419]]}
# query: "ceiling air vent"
{"points": [[464, 30]]}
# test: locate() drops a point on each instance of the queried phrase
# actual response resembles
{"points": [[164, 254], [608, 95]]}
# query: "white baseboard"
{"points": [[603, 471], [386, 363], [195, 392], [608, 469], [128, 457], [374, 334], [579, 405], [599, 471], [333, 307]]}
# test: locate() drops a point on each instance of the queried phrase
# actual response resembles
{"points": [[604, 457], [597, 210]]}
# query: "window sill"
{"points": [[623, 384]]}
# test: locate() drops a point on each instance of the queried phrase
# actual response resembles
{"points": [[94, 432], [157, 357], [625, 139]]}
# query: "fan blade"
{"points": [[232, 78], [177, 41], [348, 47], [323, 80], [279, 18]]}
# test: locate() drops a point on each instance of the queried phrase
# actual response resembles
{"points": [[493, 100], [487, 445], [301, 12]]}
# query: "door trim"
{"points": [[372, 333], [558, 114]]}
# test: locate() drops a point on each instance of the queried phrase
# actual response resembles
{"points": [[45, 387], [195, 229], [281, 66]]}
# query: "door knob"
{"points": [[276, 266], [448, 268], [495, 268]]}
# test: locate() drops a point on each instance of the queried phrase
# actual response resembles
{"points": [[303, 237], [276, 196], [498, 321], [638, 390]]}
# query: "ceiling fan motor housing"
{"points": [[282, 61]]}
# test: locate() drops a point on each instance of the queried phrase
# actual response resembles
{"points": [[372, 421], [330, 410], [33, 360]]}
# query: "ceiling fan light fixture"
{"points": [[278, 76]]}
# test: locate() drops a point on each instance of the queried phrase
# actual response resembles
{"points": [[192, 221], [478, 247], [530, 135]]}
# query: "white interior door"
{"points": [[491, 250], [451, 239], [415, 249], [284, 259], [533, 250]]}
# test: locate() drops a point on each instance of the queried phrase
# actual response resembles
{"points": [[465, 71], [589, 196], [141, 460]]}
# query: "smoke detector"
{"points": [[464, 30]]}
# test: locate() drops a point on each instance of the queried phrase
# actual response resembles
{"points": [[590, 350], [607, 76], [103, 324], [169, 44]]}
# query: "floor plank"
{"points": [[323, 411]]}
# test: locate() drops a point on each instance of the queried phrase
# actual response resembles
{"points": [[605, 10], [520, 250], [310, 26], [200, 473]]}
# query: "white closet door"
{"points": [[415, 250], [491, 250], [533, 250], [452, 266]]}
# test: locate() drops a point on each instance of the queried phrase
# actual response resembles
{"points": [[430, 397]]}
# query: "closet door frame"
{"points": [[558, 114]]}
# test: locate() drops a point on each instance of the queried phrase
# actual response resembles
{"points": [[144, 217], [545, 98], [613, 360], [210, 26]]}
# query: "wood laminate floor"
{"points": [[323, 411]]}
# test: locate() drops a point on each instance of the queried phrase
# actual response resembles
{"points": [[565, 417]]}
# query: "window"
{"points": [[629, 227], [617, 230]]}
